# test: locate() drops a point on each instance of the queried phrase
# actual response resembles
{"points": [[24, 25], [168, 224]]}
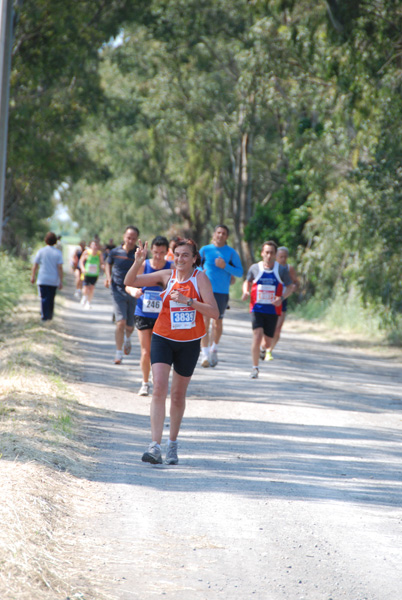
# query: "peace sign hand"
{"points": [[141, 252]]}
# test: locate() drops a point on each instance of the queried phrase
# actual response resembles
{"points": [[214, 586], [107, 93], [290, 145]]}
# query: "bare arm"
{"points": [[60, 270], [34, 271], [83, 258], [294, 276], [108, 274], [136, 279], [246, 289]]}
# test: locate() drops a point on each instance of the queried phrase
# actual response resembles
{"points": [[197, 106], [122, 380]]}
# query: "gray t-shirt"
{"points": [[48, 259]]}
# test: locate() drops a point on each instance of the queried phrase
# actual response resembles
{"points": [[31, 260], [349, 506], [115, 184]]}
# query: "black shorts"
{"points": [[222, 302], [182, 355], [266, 322], [142, 323], [90, 280]]}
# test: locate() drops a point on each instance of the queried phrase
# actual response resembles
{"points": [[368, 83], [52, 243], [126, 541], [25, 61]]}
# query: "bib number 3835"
{"points": [[181, 317]]}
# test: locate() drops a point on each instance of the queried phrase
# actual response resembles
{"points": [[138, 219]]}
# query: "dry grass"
{"points": [[44, 463]]}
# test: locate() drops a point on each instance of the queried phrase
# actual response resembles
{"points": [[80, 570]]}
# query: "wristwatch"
{"points": [[189, 302]]}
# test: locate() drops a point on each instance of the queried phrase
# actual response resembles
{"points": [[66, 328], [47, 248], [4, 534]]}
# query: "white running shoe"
{"points": [[118, 357], [127, 345], [144, 389], [213, 358], [83, 300], [254, 373], [87, 306], [77, 294], [205, 362]]}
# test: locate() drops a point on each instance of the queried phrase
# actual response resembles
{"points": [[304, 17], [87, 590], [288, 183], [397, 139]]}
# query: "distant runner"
{"points": [[91, 263], [220, 262], [265, 286], [118, 263], [282, 258], [149, 304], [75, 266]]}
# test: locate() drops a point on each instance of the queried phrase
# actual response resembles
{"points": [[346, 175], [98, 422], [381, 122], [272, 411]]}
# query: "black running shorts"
{"points": [[182, 355], [266, 322], [142, 323]]}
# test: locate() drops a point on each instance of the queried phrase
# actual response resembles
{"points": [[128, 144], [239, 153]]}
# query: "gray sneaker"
{"points": [[153, 455], [171, 454], [213, 358], [254, 373], [263, 353]]}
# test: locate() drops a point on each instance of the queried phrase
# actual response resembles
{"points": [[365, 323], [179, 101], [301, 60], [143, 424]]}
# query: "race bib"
{"points": [[265, 293], [181, 317], [152, 302], [92, 269]]}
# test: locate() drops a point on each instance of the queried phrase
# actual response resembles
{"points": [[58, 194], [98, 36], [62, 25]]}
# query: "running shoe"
{"points": [[77, 294], [83, 300], [87, 306], [269, 355], [254, 373], [171, 454], [127, 345], [153, 455], [213, 358], [205, 362], [263, 353], [118, 357], [144, 389]]}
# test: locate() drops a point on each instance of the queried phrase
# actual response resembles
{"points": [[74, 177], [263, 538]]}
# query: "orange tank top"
{"points": [[177, 321]]}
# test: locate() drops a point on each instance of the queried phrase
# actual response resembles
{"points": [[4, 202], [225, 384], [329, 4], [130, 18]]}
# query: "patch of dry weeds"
{"points": [[45, 459]]}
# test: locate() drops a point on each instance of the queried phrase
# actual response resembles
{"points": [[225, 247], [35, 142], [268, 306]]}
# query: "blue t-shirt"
{"points": [[150, 303], [220, 278], [48, 259]]}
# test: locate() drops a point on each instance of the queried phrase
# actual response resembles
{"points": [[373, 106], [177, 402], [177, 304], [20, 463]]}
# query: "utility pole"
{"points": [[6, 42]]}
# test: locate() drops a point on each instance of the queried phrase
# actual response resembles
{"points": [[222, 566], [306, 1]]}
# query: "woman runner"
{"points": [[187, 296]]}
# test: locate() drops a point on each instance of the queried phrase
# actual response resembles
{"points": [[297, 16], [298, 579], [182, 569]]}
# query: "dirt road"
{"points": [[288, 486]]}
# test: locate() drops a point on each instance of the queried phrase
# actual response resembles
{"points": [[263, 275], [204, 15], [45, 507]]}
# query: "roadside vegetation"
{"points": [[14, 281], [44, 459]]}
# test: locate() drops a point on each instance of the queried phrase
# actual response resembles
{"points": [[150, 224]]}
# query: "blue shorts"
{"points": [[182, 355]]}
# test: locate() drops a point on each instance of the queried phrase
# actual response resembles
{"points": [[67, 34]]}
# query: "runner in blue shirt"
{"points": [[220, 263], [149, 304]]}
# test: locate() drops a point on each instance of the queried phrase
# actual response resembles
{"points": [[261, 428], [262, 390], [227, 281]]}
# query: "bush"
{"points": [[14, 282]]}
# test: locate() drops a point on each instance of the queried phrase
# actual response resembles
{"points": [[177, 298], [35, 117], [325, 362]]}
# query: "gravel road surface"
{"points": [[288, 486]]}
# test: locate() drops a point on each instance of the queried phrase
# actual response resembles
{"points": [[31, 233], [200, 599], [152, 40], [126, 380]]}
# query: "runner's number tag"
{"points": [[181, 317], [152, 302], [265, 293], [92, 269]]}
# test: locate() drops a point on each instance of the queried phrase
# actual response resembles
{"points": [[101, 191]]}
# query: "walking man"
{"points": [[267, 284], [117, 265], [220, 262]]}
